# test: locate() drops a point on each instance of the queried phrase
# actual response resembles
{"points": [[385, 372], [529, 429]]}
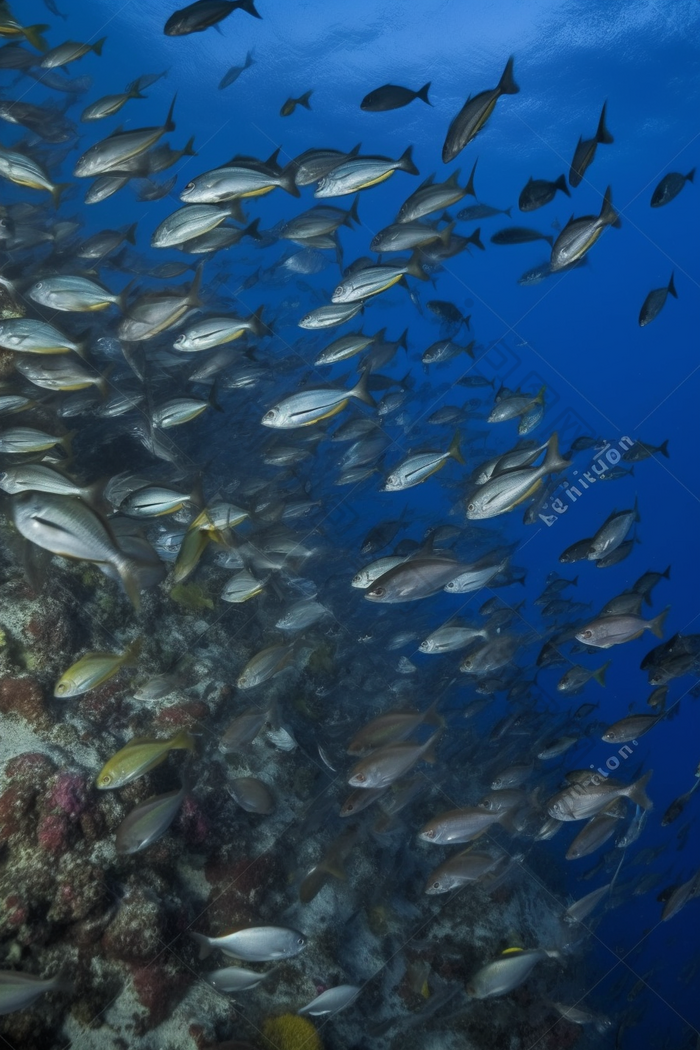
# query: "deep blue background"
{"points": [[577, 333]]}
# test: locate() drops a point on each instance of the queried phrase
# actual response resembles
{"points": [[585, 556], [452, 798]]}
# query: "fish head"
{"points": [[587, 636], [104, 780], [340, 293], [359, 780], [376, 593], [428, 834], [272, 418], [434, 886], [393, 482]]}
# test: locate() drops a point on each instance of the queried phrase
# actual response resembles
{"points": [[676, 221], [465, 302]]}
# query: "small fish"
{"points": [[669, 187], [254, 943], [387, 764], [585, 150], [654, 302], [138, 757], [251, 794], [149, 821], [607, 631], [578, 801], [313, 406], [474, 114], [390, 96], [291, 104], [231, 979], [630, 728], [265, 665], [519, 235], [20, 990], [235, 71], [576, 677], [91, 670], [507, 972], [538, 192], [481, 211], [70, 51], [419, 467], [332, 1001], [331, 865], [579, 235], [359, 173], [202, 14]]}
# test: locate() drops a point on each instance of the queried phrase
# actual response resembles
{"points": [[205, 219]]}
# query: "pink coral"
{"points": [[68, 795], [193, 822]]}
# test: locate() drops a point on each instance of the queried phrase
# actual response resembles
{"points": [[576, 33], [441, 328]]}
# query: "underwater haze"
{"points": [[349, 515]]}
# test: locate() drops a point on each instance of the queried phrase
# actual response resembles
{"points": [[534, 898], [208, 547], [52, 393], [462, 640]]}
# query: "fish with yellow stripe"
{"points": [[139, 756]]}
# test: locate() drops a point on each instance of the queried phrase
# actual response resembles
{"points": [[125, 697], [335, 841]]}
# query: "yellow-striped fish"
{"points": [[140, 755]]}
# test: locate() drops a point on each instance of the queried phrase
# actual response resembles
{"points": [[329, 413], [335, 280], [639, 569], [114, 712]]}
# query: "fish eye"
{"points": [[378, 592], [586, 634], [340, 289], [471, 506], [430, 834], [38, 285], [360, 778], [436, 885], [62, 687], [189, 186], [105, 779]]}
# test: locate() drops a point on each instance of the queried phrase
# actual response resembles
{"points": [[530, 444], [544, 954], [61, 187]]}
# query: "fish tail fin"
{"points": [[131, 583], [132, 653], [353, 215], [667, 574], [249, 7], [599, 676], [663, 449], [130, 234], [574, 582], [454, 449], [251, 230], [690, 177], [205, 948], [33, 35], [469, 348], [98, 45], [672, 288], [475, 239], [554, 462], [124, 295], [549, 239], [602, 134], [169, 122], [469, 188], [183, 741], [423, 93], [560, 184], [195, 287], [189, 150], [446, 233], [539, 400], [287, 182], [405, 162], [249, 60], [608, 215], [361, 390], [213, 399], [507, 85], [67, 442], [415, 269], [637, 792], [636, 509], [303, 100], [257, 324], [57, 192], [656, 626]]}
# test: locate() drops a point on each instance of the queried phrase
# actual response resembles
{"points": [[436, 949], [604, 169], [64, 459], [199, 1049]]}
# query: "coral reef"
{"points": [[290, 1032]]}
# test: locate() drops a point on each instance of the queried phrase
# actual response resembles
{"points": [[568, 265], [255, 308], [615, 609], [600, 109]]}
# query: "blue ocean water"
{"points": [[574, 333]]}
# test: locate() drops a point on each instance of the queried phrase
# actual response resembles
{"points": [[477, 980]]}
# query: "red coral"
{"points": [[14, 910], [15, 803], [182, 715], [52, 833], [159, 988], [32, 764], [23, 696]]}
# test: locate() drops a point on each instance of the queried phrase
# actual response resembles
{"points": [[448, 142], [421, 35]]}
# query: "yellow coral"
{"points": [[290, 1032]]}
